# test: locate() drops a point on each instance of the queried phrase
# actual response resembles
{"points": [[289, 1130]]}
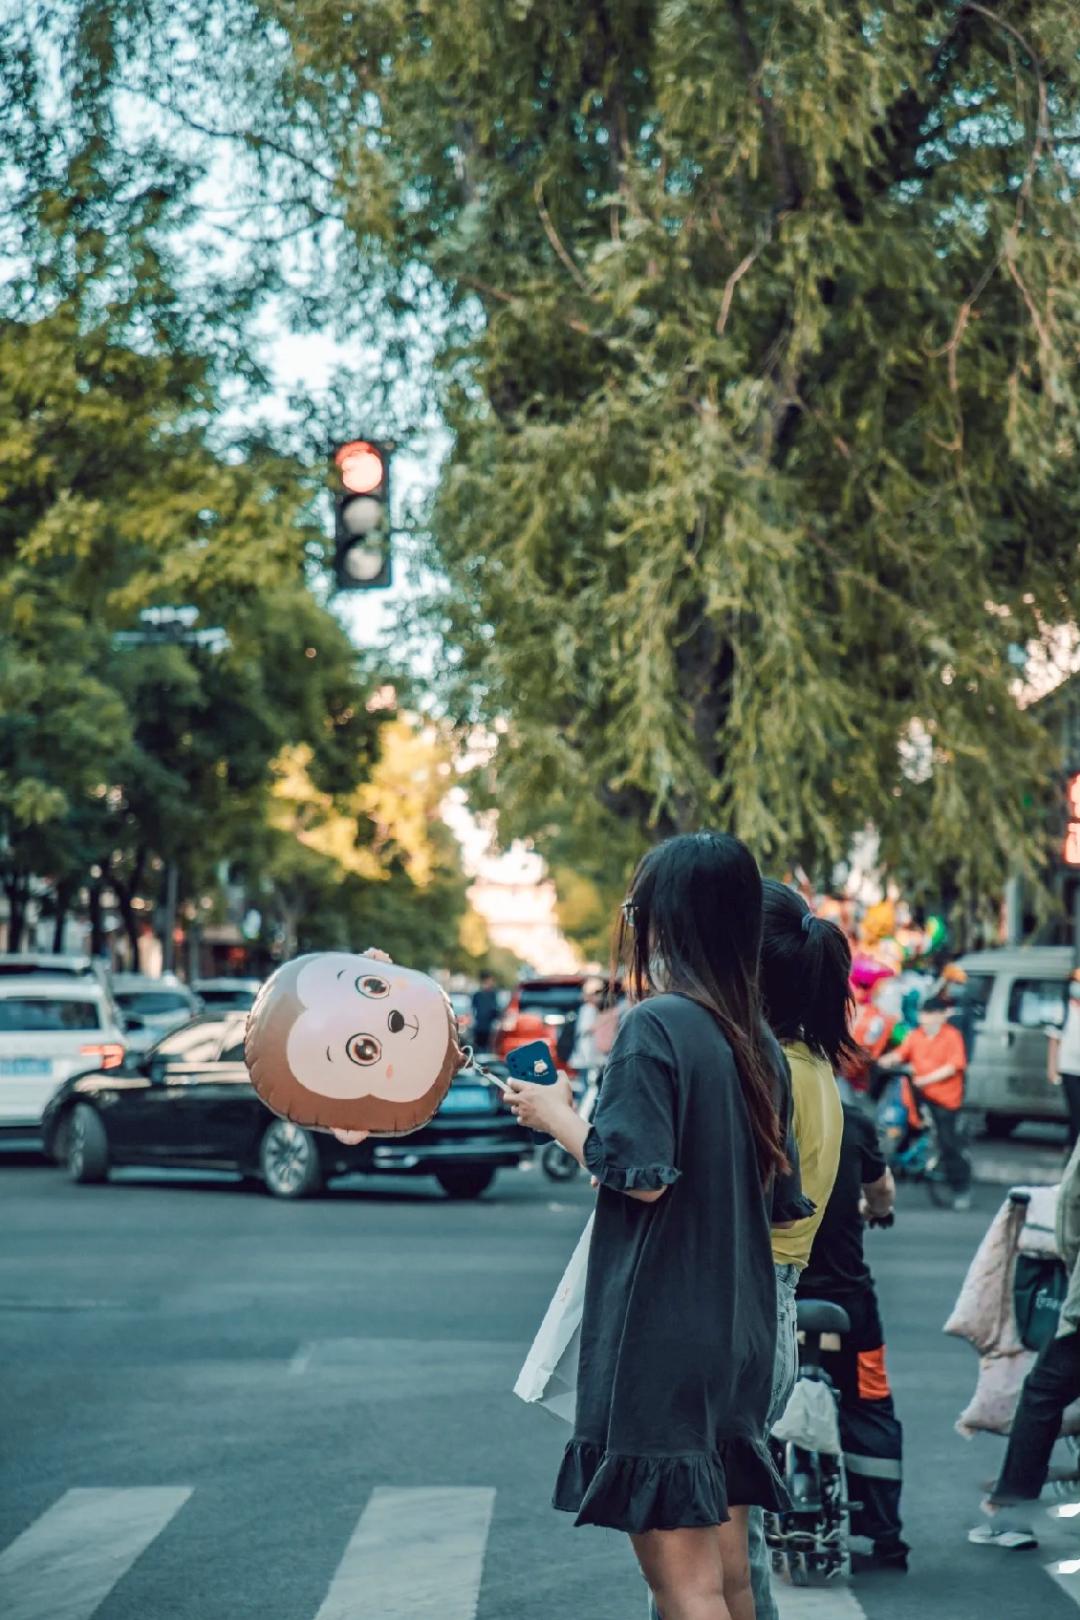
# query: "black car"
{"points": [[188, 1103]]}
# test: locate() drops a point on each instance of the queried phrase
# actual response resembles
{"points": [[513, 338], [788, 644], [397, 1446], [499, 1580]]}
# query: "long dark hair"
{"points": [[694, 912], [806, 976]]}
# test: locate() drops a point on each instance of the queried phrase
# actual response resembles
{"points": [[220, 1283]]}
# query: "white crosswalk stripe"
{"points": [[817, 1602], [1057, 1533], [414, 1555], [69, 1559]]}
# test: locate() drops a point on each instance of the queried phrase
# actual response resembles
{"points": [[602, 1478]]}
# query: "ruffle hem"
{"points": [[657, 1492]]}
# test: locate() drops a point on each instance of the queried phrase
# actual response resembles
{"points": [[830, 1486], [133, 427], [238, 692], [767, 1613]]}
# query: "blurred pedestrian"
{"points": [[485, 1009], [871, 1031], [937, 1059], [584, 1058], [1064, 1057], [805, 986], [678, 1337], [1052, 1384]]}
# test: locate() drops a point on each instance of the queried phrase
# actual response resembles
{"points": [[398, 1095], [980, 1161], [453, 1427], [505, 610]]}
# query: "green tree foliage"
{"points": [[123, 489], [759, 335], [756, 328], [376, 865]]}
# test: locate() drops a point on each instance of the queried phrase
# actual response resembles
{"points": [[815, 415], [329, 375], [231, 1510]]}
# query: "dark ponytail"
{"points": [[805, 976]]}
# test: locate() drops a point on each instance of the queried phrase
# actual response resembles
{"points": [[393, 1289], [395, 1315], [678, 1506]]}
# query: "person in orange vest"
{"points": [[937, 1058]]}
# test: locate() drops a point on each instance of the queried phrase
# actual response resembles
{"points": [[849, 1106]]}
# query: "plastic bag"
{"points": [[810, 1418], [549, 1375]]}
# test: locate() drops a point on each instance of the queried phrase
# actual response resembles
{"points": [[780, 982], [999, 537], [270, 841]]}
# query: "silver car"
{"points": [[226, 994], [152, 1007]]}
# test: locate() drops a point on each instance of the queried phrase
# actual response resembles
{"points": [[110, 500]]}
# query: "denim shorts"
{"points": [[786, 1364]]}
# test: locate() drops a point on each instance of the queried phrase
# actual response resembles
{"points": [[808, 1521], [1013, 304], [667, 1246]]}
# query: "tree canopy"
{"points": [[127, 487], [755, 325]]}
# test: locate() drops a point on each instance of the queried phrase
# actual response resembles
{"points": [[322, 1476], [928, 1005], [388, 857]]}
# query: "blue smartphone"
{"points": [[533, 1062]]}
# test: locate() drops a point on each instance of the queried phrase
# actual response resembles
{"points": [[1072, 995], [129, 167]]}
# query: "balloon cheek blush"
{"points": [[342, 1042]]}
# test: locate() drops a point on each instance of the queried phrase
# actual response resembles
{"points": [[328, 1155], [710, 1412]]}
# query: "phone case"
{"points": [[533, 1062]]}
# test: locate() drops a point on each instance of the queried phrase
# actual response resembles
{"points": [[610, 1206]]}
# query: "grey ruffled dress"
{"points": [[679, 1326]]}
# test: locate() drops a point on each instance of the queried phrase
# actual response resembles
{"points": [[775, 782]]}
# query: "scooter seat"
{"points": [[821, 1316]]}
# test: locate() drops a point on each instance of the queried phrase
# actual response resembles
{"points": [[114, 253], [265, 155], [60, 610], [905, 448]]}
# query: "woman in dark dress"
{"points": [[688, 1148]]}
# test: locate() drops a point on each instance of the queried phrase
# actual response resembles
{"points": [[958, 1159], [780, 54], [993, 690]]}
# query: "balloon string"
{"points": [[472, 1062]]}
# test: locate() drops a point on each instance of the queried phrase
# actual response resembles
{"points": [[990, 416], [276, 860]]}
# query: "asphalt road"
{"points": [[214, 1405]]}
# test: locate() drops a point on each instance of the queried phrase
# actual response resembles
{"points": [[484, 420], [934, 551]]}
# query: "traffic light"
{"points": [[362, 516]]}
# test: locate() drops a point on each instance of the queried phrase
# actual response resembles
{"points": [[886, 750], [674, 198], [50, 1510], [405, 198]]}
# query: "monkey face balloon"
{"points": [[343, 1042]]}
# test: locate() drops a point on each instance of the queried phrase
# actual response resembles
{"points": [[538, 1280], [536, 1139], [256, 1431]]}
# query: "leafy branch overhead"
{"points": [[755, 325]]}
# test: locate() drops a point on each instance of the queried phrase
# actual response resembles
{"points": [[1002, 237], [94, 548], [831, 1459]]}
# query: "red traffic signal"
{"points": [[361, 465], [362, 516]]}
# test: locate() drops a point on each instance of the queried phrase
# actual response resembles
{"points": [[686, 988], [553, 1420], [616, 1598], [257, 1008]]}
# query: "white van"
{"points": [[1019, 993]]}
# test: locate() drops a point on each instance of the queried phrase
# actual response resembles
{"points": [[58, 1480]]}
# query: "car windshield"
{"points": [[549, 998], [145, 1003], [26, 1015], [227, 998], [195, 1042]]}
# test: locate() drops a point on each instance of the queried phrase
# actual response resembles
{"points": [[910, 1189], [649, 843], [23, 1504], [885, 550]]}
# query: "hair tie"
{"points": [[808, 921]]}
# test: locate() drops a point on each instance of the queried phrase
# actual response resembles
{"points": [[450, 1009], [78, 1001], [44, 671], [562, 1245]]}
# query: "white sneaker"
{"points": [[1001, 1531], [962, 1201]]}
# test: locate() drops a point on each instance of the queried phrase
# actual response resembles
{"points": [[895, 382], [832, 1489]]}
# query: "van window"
{"points": [[976, 992], [1034, 1003]]}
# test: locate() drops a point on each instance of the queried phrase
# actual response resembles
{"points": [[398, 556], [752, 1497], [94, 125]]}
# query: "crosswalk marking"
{"points": [[817, 1602], [414, 1555], [1056, 1530], [68, 1561]]}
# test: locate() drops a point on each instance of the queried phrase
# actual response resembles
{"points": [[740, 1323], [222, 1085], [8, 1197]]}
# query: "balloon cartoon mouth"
{"points": [[398, 1022]]}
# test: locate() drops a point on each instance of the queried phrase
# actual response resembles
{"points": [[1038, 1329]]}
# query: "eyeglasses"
{"points": [[628, 913]]}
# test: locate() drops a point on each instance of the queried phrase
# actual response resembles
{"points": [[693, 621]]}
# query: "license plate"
{"points": [[27, 1065], [466, 1100]]}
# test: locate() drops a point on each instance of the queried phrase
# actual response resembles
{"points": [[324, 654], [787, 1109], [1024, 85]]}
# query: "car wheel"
{"points": [[999, 1127], [289, 1160], [465, 1181], [557, 1164], [87, 1145]]}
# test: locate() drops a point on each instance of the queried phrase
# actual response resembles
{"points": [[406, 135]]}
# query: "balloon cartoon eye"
{"points": [[370, 985], [364, 1049]]}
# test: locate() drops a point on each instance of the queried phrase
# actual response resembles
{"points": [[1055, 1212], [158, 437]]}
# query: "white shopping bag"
{"points": [[810, 1419], [549, 1376]]}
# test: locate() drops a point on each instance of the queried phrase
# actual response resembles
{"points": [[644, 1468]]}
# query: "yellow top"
{"points": [[819, 1125]]}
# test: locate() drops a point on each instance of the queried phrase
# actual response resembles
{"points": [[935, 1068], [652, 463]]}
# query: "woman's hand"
{"points": [[377, 956], [541, 1108]]}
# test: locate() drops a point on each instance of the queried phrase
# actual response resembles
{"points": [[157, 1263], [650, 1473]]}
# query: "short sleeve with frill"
{"points": [[632, 1144]]}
